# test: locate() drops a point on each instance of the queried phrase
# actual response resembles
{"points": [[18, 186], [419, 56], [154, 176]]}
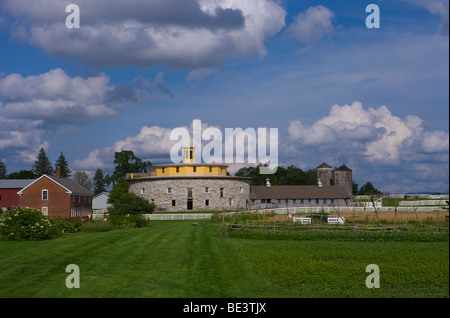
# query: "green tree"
{"points": [[369, 189], [253, 173], [42, 165], [22, 174], [127, 203], [127, 162], [83, 179], [2, 169], [99, 182], [63, 166], [354, 188]]}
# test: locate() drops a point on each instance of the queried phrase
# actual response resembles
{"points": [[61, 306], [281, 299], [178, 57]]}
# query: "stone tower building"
{"points": [[324, 175], [191, 186], [341, 176]]}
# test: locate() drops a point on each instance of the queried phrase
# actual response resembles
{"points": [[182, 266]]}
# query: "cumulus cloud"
{"points": [[57, 97], [374, 135], [30, 106], [230, 146], [21, 139], [312, 25], [182, 33], [151, 142]]}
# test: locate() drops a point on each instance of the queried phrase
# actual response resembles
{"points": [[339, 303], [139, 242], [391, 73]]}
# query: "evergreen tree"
{"points": [[2, 169], [127, 162], [42, 165], [63, 166], [99, 182], [369, 189]]}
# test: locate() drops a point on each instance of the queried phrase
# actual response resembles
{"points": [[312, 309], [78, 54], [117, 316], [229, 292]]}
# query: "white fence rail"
{"points": [[345, 208], [178, 216], [166, 216], [422, 202]]}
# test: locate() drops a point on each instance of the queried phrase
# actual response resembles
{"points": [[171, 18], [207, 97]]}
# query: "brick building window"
{"points": [[221, 192], [44, 194], [173, 203], [206, 202], [169, 190], [44, 210]]}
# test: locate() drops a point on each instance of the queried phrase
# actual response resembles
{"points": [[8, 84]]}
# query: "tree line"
{"points": [[125, 162]]}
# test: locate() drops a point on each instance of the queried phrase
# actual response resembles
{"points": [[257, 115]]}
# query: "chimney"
{"points": [[58, 173]]}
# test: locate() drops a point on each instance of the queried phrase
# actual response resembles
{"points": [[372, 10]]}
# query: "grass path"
{"points": [[177, 259]]}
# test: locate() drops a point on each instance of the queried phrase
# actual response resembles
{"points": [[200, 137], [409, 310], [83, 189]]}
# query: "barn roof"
{"points": [[298, 192], [71, 186], [14, 183]]}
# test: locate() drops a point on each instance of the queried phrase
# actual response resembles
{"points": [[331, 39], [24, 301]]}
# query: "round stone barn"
{"points": [[191, 186]]}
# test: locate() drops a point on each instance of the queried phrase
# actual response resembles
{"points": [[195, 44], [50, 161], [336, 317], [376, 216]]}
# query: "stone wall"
{"points": [[235, 193]]}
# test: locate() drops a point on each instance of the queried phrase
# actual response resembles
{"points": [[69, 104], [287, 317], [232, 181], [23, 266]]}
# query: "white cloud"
{"points": [[312, 25], [182, 33], [439, 7], [373, 135], [57, 97], [151, 142], [21, 139]]}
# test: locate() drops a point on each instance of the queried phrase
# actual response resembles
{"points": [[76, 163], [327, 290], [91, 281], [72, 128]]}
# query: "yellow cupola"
{"points": [[188, 155]]}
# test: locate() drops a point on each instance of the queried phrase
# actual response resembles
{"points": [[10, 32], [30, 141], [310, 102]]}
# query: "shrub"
{"points": [[97, 226], [123, 221], [68, 225], [27, 224], [125, 203]]}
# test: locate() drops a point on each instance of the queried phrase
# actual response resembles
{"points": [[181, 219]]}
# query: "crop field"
{"points": [[176, 259]]}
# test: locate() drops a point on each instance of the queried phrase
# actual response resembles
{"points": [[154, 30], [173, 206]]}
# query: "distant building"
{"points": [[9, 189], [285, 196], [100, 201], [341, 176], [57, 197]]}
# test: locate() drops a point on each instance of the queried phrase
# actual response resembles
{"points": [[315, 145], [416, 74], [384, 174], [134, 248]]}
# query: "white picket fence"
{"points": [[178, 216]]}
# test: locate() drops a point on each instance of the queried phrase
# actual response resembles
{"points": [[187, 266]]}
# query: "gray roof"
{"points": [[343, 168], [324, 165], [71, 185], [15, 183], [298, 192]]}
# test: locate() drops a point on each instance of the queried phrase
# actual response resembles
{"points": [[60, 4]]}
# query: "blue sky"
{"points": [[374, 99]]}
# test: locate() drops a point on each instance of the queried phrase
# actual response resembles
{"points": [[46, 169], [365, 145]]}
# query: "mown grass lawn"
{"points": [[176, 259]]}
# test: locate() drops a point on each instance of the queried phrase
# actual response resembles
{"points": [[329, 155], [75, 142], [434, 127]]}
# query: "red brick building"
{"points": [[57, 197], [9, 189]]}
